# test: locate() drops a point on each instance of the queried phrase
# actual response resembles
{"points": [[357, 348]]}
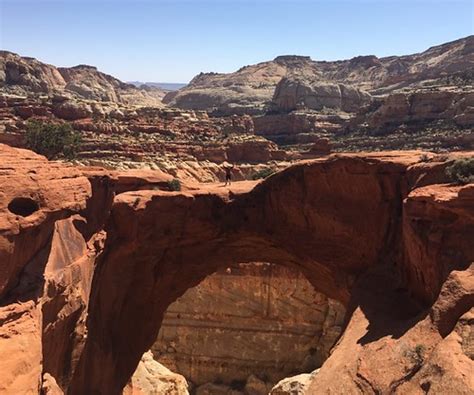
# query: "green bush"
{"points": [[461, 171], [174, 185], [425, 158], [52, 140], [264, 173]]}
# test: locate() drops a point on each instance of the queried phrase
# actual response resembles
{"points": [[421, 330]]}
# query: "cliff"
{"points": [[253, 319]]}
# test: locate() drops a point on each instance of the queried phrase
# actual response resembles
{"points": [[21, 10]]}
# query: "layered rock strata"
{"points": [[258, 319], [23, 75]]}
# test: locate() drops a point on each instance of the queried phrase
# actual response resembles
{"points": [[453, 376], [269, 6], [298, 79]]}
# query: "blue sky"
{"points": [[173, 40]]}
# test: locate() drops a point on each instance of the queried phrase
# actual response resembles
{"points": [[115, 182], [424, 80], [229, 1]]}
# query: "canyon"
{"points": [[284, 110], [91, 265], [339, 261]]}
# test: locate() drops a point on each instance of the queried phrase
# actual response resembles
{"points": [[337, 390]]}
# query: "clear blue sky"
{"points": [[172, 40]]}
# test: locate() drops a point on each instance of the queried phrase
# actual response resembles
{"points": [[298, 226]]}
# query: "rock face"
{"points": [[424, 106], [87, 280], [250, 89], [297, 93], [22, 75], [448, 245], [421, 101], [251, 319], [48, 243], [29, 73]]}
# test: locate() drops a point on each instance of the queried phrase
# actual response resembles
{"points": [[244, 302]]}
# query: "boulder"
{"points": [[296, 385], [49, 386], [152, 378], [71, 110]]}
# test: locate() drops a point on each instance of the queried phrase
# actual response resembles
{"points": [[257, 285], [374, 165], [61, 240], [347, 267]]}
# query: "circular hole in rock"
{"points": [[23, 206]]}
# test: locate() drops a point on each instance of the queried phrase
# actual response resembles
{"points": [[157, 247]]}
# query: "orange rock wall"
{"points": [[259, 319]]}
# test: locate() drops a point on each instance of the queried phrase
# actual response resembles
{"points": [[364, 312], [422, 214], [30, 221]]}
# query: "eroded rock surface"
{"points": [[87, 281], [152, 378], [252, 319], [251, 88], [22, 75]]}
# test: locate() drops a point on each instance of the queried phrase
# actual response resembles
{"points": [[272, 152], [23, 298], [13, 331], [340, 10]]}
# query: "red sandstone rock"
{"points": [[20, 348], [40, 194], [438, 235], [338, 220]]}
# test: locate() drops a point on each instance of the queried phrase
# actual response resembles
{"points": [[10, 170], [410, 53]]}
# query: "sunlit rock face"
{"points": [[260, 319]]}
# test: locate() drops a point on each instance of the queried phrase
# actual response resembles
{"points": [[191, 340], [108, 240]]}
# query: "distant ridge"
{"points": [[168, 86]]}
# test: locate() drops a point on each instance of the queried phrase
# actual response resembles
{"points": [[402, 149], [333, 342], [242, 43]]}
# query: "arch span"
{"points": [[331, 219]]}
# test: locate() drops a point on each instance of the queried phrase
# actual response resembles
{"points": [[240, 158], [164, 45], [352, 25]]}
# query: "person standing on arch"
{"points": [[228, 173]]}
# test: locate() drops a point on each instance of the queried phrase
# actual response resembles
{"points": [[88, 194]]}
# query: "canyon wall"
{"points": [[252, 319]]}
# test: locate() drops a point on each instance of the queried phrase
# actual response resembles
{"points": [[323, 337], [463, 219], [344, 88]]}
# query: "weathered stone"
{"points": [[252, 319], [293, 93], [152, 378], [296, 385], [336, 219]]}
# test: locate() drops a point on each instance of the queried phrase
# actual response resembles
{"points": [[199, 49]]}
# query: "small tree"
{"points": [[461, 171], [174, 185], [52, 140], [264, 173]]}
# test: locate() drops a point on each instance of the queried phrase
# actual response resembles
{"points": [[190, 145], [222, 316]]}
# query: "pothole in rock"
{"points": [[23, 206], [246, 328]]}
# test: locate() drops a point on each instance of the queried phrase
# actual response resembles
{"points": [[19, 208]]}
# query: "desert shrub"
{"points": [[52, 140], [461, 171], [174, 185], [416, 354], [424, 158], [264, 173]]}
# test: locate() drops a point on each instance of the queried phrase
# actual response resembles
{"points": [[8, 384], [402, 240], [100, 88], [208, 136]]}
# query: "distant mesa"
{"points": [[167, 86], [292, 58]]}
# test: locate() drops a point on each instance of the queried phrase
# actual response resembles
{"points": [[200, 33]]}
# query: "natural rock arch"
{"points": [[332, 220], [373, 230]]}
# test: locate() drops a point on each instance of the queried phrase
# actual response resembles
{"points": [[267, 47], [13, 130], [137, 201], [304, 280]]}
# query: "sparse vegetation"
{"points": [[417, 354], [461, 171], [264, 173], [174, 185], [52, 140], [424, 158]]}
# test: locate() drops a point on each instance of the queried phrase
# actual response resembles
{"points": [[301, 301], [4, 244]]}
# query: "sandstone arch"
{"points": [[371, 230], [332, 219]]}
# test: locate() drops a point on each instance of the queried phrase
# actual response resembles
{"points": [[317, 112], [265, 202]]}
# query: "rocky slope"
{"points": [[252, 88], [87, 277], [422, 100], [301, 109], [22, 76], [254, 319], [187, 144]]}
